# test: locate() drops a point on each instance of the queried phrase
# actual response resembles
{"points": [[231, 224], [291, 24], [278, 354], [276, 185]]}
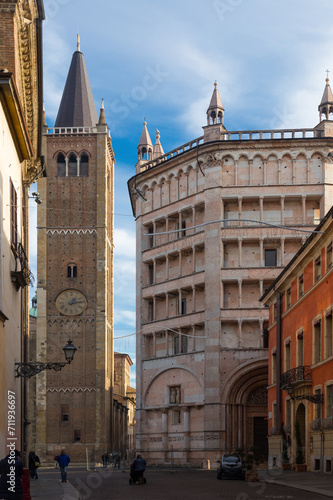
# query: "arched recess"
{"points": [[286, 169], [272, 169], [301, 169], [157, 393], [228, 171], [246, 407], [257, 177], [243, 171]]}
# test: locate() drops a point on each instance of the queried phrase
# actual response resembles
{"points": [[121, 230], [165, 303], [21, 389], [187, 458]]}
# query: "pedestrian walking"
{"points": [[34, 463], [11, 470], [63, 461], [56, 465]]}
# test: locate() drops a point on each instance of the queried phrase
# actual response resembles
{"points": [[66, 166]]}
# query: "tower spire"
{"points": [[215, 111], [158, 150], [145, 147], [326, 106], [78, 42], [77, 107]]}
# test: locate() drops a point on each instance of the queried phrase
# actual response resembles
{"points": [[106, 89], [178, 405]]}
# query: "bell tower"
{"points": [[75, 276]]}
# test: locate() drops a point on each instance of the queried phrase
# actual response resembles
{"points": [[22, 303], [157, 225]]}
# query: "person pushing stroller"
{"points": [[137, 469]]}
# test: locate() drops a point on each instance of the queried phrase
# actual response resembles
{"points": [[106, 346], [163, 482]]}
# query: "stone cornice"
{"points": [[15, 116]]}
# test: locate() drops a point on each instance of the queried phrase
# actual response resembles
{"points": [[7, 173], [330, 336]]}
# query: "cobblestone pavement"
{"points": [[180, 485]]}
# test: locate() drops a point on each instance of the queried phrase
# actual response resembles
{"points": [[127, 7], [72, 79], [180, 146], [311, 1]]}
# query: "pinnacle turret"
{"points": [[145, 147], [215, 111], [158, 150], [326, 106]]}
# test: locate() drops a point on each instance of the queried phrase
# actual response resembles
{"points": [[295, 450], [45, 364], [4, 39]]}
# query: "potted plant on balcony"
{"points": [[285, 464], [300, 464], [252, 458]]}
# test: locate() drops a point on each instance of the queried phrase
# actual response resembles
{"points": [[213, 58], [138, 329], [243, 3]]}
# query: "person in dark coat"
{"points": [[137, 469], [33, 459], [11, 469]]}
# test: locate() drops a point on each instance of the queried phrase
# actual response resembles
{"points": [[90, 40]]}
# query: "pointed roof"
{"points": [[215, 111], [101, 120], [145, 137], [158, 150], [215, 102], [327, 99], [77, 107]]}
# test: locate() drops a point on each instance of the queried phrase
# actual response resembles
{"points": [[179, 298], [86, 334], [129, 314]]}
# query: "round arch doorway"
{"points": [[246, 410]]}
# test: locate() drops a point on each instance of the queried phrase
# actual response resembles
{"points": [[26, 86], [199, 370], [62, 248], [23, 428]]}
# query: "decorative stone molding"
{"points": [[71, 389], [71, 231]]}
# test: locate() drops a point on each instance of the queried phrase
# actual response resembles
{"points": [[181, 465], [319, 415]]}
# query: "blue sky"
{"points": [[159, 59]]}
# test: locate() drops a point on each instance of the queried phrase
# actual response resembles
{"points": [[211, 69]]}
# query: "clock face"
{"points": [[71, 302]]}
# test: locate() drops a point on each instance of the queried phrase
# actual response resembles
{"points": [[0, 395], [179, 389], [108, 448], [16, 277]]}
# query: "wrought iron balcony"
{"points": [[296, 375], [22, 276]]}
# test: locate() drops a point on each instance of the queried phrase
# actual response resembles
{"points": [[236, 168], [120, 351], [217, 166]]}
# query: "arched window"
{"points": [[72, 165], [84, 165], [71, 271], [61, 165]]}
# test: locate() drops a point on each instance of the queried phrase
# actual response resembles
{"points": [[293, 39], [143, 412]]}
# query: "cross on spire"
{"points": [[327, 71]]}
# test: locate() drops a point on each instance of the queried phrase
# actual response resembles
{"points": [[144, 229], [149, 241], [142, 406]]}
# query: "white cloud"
{"points": [[124, 317], [124, 242]]}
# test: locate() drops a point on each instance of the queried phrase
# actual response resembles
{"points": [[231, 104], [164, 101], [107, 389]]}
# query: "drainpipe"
{"points": [[278, 359]]}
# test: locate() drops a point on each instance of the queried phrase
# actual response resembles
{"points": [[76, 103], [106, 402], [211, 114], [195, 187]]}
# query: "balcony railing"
{"points": [[295, 375], [22, 276]]}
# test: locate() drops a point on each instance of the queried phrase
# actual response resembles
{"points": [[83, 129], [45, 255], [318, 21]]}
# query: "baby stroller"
{"points": [[136, 477]]}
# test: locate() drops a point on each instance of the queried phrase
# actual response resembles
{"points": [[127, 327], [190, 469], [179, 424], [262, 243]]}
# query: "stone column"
{"points": [[154, 271], [154, 345], [240, 332], [193, 259], [193, 298], [180, 262], [193, 338], [250, 171], [308, 170], [261, 205], [179, 300], [293, 161], [282, 251], [167, 342], [193, 220], [165, 437], [236, 172], [239, 207], [154, 235], [282, 209], [261, 240], [240, 293], [186, 428], [166, 305], [154, 308], [77, 166], [304, 209], [261, 290], [167, 229], [167, 267], [180, 234], [240, 256]]}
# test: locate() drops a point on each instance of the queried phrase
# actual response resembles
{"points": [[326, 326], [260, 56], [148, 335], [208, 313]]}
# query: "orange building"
{"points": [[301, 352]]}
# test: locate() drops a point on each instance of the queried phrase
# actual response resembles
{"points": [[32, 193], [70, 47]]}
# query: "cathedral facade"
{"points": [[74, 406], [217, 219]]}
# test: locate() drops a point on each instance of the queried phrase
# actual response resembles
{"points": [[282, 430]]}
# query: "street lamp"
{"points": [[27, 370]]}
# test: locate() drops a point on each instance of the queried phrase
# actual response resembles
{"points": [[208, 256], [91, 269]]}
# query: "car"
{"points": [[231, 465]]}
